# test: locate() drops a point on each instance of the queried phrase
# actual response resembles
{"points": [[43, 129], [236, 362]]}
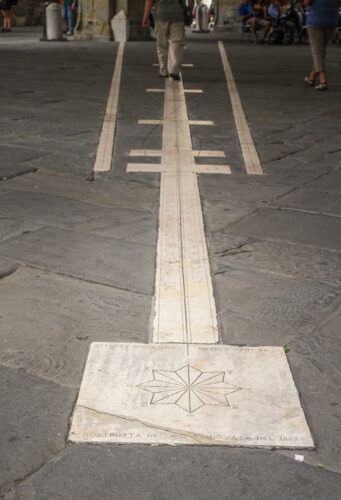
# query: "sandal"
{"points": [[322, 86], [309, 81]]}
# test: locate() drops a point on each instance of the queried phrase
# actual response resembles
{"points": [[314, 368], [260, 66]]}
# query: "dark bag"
{"points": [[276, 36], [188, 16]]}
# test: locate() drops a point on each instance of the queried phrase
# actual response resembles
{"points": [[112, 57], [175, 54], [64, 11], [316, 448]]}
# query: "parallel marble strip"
{"points": [[106, 142], [155, 152], [251, 159], [161, 122], [185, 308]]}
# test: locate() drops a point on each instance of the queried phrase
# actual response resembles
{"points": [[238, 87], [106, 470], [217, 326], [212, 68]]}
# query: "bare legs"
{"points": [[319, 38], [6, 14]]}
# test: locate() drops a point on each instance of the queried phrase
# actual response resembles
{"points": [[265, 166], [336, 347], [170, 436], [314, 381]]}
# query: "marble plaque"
{"points": [[189, 394]]}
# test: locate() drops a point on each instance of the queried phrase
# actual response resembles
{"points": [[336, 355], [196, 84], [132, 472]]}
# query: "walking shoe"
{"points": [[175, 76], [69, 33], [163, 76]]}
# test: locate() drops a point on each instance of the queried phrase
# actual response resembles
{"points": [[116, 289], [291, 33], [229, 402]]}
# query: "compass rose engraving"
{"points": [[189, 388]]}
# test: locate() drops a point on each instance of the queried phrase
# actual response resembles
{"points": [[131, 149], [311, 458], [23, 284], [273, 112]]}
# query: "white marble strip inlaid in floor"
{"points": [[155, 152], [157, 167], [161, 122], [201, 122], [145, 152], [184, 304], [210, 154], [186, 91], [106, 142], [182, 65], [251, 158], [150, 122]]}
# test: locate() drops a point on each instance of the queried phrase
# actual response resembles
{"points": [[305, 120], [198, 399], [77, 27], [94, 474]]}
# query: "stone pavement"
{"points": [[77, 258]]}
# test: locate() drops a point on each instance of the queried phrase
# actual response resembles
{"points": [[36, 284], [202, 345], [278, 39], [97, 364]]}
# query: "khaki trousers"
{"points": [[170, 42], [319, 38]]}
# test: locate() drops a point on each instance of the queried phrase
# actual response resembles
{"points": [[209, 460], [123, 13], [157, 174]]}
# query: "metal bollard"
{"points": [[201, 19], [204, 19], [52, 23]]}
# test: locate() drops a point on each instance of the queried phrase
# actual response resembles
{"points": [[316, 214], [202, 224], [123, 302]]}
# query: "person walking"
{"points": [[67, 12], [5, 8], [170, 34], [321, 24]]}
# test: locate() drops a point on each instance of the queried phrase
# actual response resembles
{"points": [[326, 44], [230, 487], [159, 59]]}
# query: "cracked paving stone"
{"points": [[315, 360], [291, 261], [291, 305], [128, 472], [12, 158], [293, 227], [10, 228], [102, 192], [48, 322], [34, 423], [6, 268], [76, 164], [46, 209], [118, 263], [245, 192]]}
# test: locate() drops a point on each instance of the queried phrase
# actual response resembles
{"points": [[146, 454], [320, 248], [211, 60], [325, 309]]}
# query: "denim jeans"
{"points": [[67, 14]]}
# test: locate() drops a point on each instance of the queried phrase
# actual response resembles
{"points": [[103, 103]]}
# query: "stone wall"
{"points": [[227, 11], [27, 13]]}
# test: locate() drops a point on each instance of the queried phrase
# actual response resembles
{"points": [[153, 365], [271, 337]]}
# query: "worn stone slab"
{"points": [[56, 163], [243, 191], [33, 423], [10, 227], [315, 360], [35, 146], [196, 394], [282, 259], [45, 209], [109, 261], [15, 161], [293, 171], [85, 472], [48, 321], [8, 172], [103, 193], [295, 227], [317, 196], [6, 268], [289, 304]]}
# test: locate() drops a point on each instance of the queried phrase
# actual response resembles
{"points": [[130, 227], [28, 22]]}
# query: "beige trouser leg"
{"points": [[319, 38], [170, 42]]}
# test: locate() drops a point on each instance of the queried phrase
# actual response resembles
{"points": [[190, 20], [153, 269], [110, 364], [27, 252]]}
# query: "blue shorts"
{"points": [[5, 5]]}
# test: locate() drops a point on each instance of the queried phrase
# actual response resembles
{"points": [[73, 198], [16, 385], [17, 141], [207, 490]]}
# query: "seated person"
{"points": [[279, 17], [262, 18], [249, 17]]}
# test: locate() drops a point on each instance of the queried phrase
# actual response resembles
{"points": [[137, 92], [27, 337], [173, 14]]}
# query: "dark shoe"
{"points": [[175, 76], [309, 81], [163, 76]]}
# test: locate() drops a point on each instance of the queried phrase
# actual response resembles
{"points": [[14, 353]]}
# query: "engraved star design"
{"points": [[189, 388]]}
